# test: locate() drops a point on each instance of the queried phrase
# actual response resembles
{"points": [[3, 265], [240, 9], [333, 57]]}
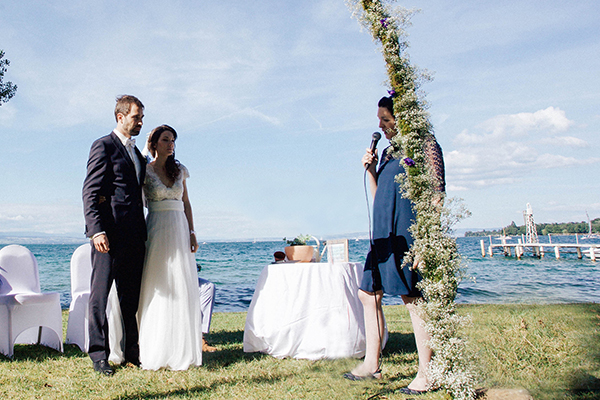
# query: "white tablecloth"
{"points": [[307, 310]]}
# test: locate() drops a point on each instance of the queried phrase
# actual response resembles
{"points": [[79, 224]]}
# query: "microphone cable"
{"points": [[373, 252]]}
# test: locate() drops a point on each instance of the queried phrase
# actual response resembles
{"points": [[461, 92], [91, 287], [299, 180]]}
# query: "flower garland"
{"points": [[452, 366]]}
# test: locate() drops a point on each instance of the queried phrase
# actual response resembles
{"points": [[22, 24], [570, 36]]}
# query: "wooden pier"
{"points": [[539, 250]]}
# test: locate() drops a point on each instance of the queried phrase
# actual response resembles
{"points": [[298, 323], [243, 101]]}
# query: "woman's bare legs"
{"points": [[374, 331], [421, 338]]}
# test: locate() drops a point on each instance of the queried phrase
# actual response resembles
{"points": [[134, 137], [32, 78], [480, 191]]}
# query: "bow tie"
{"points": [[130, 143]]}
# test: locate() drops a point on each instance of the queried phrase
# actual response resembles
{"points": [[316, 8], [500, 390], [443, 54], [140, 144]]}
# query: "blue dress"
{"points": [[392, 216]]}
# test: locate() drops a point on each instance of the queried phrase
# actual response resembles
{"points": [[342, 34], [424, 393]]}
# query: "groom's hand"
{"points": [[101, 243]]}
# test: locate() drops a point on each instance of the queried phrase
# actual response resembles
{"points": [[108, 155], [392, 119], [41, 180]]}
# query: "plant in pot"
{"points": [[299, 250]]}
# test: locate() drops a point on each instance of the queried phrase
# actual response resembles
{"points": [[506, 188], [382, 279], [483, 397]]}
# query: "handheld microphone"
{"points": [[376, 137]]}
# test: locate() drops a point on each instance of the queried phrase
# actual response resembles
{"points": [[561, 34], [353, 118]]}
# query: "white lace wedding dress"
{"points": [[169, 314]]}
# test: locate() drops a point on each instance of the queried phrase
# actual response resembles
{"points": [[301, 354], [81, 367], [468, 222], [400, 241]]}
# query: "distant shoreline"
{"points": [[560, 228], [7, 240], [40, 238]]}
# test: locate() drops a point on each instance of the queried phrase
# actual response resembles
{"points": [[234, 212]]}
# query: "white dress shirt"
{"points": [[130, 149]]}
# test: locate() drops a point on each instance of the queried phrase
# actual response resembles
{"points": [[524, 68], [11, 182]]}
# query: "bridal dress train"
{"points": [[169, 314]]}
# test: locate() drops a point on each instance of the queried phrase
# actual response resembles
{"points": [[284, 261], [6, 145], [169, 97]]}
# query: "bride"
{"points": [[169, 315]]}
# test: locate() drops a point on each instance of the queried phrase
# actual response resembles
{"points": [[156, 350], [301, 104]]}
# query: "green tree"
{"points": [[8, 89], [512, 229]]}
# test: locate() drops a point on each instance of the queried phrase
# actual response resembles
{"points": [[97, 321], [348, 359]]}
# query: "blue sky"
{"points": [[275, 103]]}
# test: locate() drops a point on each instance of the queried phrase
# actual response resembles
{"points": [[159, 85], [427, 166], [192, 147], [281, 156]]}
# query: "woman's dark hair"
{"points": [[387, 102], [171, 165]]}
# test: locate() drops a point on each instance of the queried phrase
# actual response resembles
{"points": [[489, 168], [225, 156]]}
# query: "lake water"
{"points": [[235, 266]]}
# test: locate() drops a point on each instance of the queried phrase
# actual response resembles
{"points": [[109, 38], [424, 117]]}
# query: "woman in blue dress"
{"points": [[392, 217]]}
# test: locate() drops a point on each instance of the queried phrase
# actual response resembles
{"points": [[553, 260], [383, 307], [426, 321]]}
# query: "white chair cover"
{"points": [[77, 328], [27, 316]]}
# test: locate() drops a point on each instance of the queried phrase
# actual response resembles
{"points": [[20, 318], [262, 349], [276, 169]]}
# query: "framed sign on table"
{"points": [[337, 251]]}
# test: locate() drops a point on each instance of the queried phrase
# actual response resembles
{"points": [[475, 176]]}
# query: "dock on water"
{"points": [[591, 250]]}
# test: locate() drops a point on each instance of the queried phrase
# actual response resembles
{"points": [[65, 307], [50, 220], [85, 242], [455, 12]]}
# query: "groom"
{"points": [[114, 218]]}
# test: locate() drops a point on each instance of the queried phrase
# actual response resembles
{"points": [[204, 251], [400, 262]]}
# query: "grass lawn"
{"points": [[553, 351]]}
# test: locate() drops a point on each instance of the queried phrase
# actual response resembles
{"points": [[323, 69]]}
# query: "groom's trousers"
{"points": [[123, 264]]}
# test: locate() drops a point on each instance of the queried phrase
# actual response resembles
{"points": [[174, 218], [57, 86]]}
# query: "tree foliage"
{"points": [[8, 89], [562, 228]]}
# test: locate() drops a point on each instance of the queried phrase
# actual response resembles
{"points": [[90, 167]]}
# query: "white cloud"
{"points": [[456, 188], [233, 225], [590, 207], [508, 147], [550, 121], [43, 218], [554, 161], [246, 113], [568, 141], [251, 112], [193, 67]]}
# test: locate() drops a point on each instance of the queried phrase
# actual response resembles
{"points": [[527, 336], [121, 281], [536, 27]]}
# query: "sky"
{"points": [[275, 103]]}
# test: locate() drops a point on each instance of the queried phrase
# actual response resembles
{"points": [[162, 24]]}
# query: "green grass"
{"points": [[553, 351]]}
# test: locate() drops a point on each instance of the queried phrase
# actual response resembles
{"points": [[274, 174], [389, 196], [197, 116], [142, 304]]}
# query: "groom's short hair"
{"points": [[124, 103]]}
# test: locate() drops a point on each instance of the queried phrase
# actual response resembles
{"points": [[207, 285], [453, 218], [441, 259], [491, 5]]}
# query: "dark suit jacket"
{"points": [[112, 194]]}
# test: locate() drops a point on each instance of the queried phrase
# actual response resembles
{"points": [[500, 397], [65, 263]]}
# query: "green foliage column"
{"points": [[434, 251], [8, 89]]}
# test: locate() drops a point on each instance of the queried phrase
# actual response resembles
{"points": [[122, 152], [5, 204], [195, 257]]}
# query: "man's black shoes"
{"points": [[103, 367]]}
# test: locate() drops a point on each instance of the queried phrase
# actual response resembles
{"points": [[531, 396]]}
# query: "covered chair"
{"points": [[77, 328], [27, 316]]}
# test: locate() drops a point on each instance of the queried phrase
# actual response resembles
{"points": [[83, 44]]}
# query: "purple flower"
{"points": [[392, 93], [384, 22], [409, 162]]}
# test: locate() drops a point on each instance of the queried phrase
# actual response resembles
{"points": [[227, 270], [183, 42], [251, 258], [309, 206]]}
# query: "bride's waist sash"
{"points": [[165, 205]]}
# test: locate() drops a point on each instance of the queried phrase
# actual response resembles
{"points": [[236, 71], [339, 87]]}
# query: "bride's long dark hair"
{"points": [[171, 165]]}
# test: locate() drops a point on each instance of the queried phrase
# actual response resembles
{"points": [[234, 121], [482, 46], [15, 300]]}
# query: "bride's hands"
{"points": [[194, 242]]}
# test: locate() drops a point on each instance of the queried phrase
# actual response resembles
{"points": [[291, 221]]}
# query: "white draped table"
{"points": [[307, 310]]}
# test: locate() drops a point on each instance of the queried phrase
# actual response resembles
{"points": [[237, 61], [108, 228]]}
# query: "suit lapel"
{"points": [[143, 161], [122, 150], [125, 155]]}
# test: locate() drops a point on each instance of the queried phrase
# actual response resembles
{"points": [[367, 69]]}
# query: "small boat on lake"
{"points": [[588, 252], [590, 235]]}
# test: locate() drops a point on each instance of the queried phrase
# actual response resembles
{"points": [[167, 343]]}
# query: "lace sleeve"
{"points": [[184, 171], [433, 151]]}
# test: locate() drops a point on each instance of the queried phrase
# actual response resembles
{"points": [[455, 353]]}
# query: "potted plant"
{"points": [[299, 250]]}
